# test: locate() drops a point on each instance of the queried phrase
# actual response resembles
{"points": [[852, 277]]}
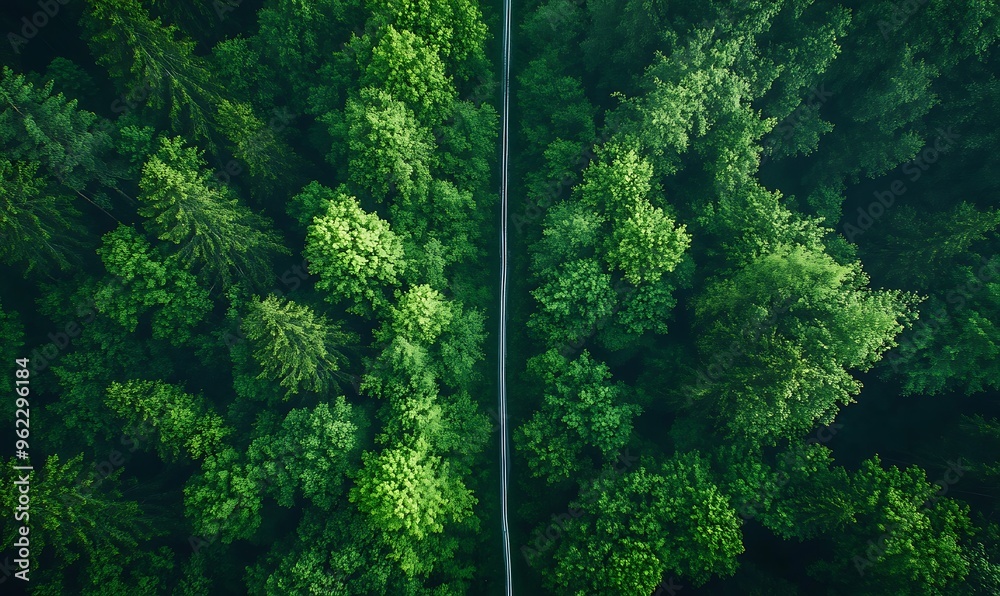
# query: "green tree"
{"points": [[810, 494], [311, 453], [294, 39], [37, 222], [612, 227], [454, 28], [905, 538], [791, 325], [337, 552], [142, 282], [622, 37], [269, 160], [294, 345], [639, 525], [74, 516], [928, 360], [419, 316], [465, 148], [572, 301], [410, 494], [70, 79], [354, 253], [412, 72], [934, 240], [647, 244], [580, 412], [184, 424], [36, 126], [555, 105], [309, 203], [148, 58], [214, 234], [223, 501], [390, 152]]}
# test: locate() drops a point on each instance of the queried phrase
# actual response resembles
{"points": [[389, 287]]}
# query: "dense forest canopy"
{"points": [[249, 252]]}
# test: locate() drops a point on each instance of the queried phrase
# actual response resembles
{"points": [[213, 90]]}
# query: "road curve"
{"points": [[502, 335]]}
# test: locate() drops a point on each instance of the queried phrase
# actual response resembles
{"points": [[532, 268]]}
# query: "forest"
{"points": [[249, 309]]}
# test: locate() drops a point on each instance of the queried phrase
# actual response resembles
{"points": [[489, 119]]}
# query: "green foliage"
{"points": [[465, 147], [799, 322], [680, 163], [293, 39], [641, 525], [581, 411], [223, 501], [390, 152], [904, 540], [573, 300], [35, 220], [150, 59], [309, 203], [311, 453], [933, 240], [646, 245], [410, 494], [100, 351], [141, 282], [454, 28], [184, 424], [540, 90], [419, 316], [269, 160], [354, 253], [810, 495], [214, 234], [411, 72], [74, 515], [37, 126], [69, 78], [928, 359], [294, 345], [612, 219]]}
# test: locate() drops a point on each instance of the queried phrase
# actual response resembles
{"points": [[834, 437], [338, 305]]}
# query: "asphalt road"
{"points": [[502, 359]]}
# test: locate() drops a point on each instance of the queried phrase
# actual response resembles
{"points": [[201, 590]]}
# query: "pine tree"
{"points": [[214, 234], [293, 345]]}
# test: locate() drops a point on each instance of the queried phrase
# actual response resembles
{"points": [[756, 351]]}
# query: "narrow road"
{"points": [[502, 358]]}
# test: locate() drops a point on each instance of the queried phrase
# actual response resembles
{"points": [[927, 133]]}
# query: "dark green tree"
{"points": [[215, 235], [293, 345]]}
